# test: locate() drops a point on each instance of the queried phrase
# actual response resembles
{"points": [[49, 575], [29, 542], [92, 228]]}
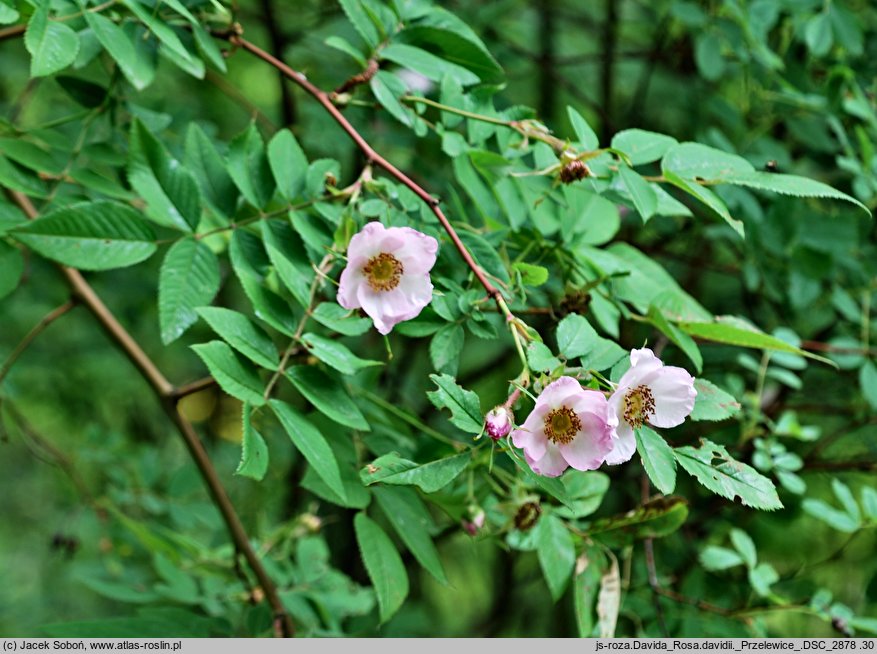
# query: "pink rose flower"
{"points": [[569, 426], [387, 274], [498, 422], [649, 392]]}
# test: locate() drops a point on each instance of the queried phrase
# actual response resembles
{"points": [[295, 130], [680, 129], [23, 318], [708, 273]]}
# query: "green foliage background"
{"points": [[104, 518]]}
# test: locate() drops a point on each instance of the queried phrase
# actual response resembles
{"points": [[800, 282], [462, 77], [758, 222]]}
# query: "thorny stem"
{"points": [[37, 329], [83, 293], [371, 155]]}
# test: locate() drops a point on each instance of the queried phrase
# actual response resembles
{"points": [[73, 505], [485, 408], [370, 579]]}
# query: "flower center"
{"points": [[383, 272], [561, 425], [639, 404]]}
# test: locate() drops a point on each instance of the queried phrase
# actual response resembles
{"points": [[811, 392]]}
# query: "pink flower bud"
{"points": [[498, 422], [474, 520]]}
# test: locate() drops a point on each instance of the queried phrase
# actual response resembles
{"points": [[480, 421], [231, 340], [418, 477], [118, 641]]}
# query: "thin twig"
{"points": [[37, 329], [193, 387]]}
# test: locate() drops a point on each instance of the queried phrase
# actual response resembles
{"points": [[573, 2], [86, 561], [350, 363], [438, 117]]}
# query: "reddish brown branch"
{"points": [[37, 329], [12, 32], [193, 387], [84, 294], [360, 78], [372, 156]]}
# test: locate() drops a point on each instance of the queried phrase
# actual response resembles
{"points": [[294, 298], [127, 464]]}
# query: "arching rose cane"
{"points": [[649, 392], [387, 274], [569, 426]]}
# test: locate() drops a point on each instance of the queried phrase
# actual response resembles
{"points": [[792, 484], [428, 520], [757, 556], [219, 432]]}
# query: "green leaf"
{"points": [[411, 520], [139, 71], [239, 331], [679, 338], [869, 503], [733, 331], [287, 252], [584, 133], [728, 478], [586, 585], [868, 383], [171, 192], [586, 491], [356, 14], [762, 577], [818, 34], [174, 49], [531, 275], [383, 564], [847, 501], [429, 477], [189, 278], [311, 443], [719, 558], [249, 168], [465, 406], [655, 519], [710, 199], [208, 168], [540, 357], [696, 162], [744, 544], [237, 378], [251, 265], [712, 403], [387, 88], [344, 46], [445, 348], [657, 458], [336, 355], [642, 147], [327, 395], [11, 268], [789, 185], [288, 163], [90, 235], [839, 520], [643, 195], [341, 320], [427, 64], [575, 336], [454, 46], [53, 45], [8, 15], [556, 553], [254, 450]]}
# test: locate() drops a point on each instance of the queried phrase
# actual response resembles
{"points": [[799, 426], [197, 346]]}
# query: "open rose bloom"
{"points": [[649, 392], [569, 426], [387, 274]]}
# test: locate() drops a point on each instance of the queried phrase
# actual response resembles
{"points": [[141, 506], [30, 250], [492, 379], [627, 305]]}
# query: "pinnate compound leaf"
{"points": [[254, 450], [239, 331], [429, 477], [312, 444], [556, 552], [712, 403], [327, 395], [97, 235], [170, 190], [715, 469], [53, 45], [464, 405], [237, 378], [189, 278], [383, 564], [118, 44], [657, 458], [411, 520]]}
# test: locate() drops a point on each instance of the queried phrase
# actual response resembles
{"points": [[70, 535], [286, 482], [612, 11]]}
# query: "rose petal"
{"points": [[643, 362], [589, 448], [551, 464], [348, 287], [416, 251], [366, 243], [674, 393], [556, 393], [531, 435], [623, 445]]}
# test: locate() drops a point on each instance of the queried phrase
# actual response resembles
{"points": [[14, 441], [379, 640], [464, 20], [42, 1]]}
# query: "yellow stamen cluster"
{"points": [[561, 425], [383, 272], [639, 405]]}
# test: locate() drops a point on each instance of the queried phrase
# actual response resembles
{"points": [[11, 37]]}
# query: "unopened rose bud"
{"points": [[474, 521], [498, 422]]}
